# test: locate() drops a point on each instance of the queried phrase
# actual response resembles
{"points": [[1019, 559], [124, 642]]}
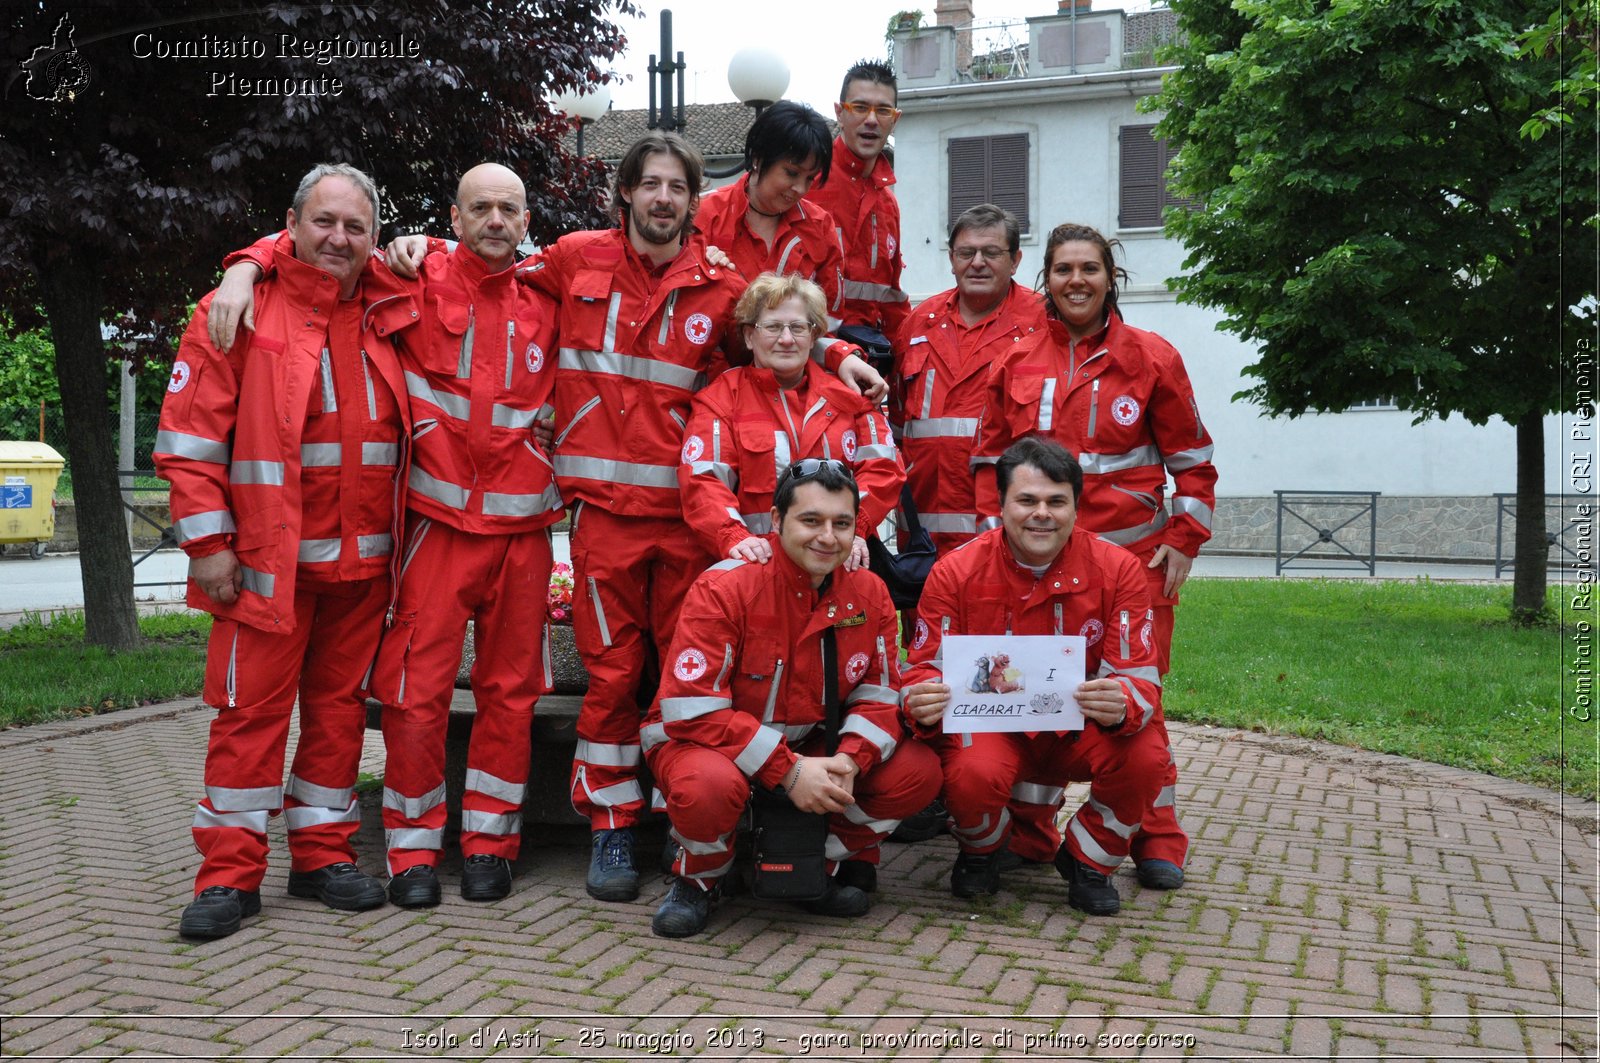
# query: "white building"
{"points": [[1046, 122]]}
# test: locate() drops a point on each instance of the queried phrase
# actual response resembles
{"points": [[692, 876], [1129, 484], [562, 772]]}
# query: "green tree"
{"points": [[1373, 221], [1571, 37], [142, 142]]}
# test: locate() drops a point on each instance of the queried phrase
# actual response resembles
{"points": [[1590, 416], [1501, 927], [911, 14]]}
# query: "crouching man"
{"points": [[1035, 575], [744, 703]]}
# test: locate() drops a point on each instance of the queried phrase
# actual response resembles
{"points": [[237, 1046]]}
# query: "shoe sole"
{"points": [[422, 899], [1087, 907], [339, 904], [492, 892], [248, 906], [1160, 880], [613, 892]]}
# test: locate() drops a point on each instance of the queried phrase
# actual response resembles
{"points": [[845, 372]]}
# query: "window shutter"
{"points": [[989, 170], [1140, 205]]}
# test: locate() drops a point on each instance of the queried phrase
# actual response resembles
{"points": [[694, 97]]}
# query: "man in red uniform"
{"points": [[743, 704], [283, 456], [859, 193], [1037, 575], [479, 373]]}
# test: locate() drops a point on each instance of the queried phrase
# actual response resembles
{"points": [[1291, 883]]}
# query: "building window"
{"points": [[1388, 402], [990, 170], [1144, 178]]}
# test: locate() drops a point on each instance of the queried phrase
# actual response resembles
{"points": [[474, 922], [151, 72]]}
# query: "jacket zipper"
{"points": [[372, 399], [511, 335], [772, 695], [1094, 404], [233, 670], [585, 408], [464, 361], [1127, 650]]}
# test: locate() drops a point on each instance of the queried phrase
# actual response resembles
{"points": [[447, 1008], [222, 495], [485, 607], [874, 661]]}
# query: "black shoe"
{"points": [[975, 875], [340, 886], [485, 878], [858, 873], [929, 823], [416, 887], [846, 902], [1158, 874], [216, 910], [611, 873], [685, 912], [1087, 889], [1006, 860], [669, 854]]}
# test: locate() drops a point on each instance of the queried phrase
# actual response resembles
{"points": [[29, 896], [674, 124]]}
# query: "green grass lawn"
{"points": [[1433, 671]]}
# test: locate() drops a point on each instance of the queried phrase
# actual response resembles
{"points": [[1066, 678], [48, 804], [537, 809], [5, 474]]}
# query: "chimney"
{"points": [[958, 14], [1067, 7]]}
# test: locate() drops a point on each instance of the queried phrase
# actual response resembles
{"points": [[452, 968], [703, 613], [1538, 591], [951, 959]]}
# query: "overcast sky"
{"points": [[819, 39]]}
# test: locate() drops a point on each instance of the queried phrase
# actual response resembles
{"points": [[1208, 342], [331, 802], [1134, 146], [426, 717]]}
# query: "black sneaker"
{"points": [[416, 887], [975, 875], [685, 912], [845, 902], [929, 823], [1006, 860], [216, 910], [1158, 874], [339, 886], [1087, 889], [485, 878], [611, 873], [858, 873], [669, 854]]}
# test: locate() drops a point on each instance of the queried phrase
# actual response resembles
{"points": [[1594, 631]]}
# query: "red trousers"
{"points": [[706, 796], [981, 770], [501, 584], [252, 678], [630, 577]]}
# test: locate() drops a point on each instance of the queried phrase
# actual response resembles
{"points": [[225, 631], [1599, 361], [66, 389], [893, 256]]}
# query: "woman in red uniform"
{"points": [[1119, 399]]}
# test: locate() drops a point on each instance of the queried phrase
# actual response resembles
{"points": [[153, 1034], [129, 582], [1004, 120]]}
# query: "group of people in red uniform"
{"points": [[369, 452]]}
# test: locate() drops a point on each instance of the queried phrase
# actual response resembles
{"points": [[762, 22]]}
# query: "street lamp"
{"points": [[586, 107]]}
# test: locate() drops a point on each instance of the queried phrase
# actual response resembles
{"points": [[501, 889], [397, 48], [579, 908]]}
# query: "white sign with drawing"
{"points": [[1013, 682]]}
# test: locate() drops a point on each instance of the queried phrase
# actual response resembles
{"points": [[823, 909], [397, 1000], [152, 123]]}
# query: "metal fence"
{"points": [[47, 424]]}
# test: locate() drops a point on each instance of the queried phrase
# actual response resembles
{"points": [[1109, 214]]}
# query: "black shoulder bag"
{"points": [[904, 573]]}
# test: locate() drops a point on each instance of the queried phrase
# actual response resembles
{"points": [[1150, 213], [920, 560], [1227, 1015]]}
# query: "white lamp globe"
{"points": [[758, 75], [585, 106]]}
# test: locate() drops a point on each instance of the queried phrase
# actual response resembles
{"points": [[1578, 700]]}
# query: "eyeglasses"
{"points": [[884, 112], [806, 468], [990, 254], [774, 329]]}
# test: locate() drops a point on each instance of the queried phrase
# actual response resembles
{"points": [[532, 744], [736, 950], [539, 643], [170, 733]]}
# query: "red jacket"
{"points": [[868, 217], [740, 440], [230, 436], [479, 372], [746, 666], [633, 353], [1128, 414], [1093, 589], [941, 368], [806, 243]]}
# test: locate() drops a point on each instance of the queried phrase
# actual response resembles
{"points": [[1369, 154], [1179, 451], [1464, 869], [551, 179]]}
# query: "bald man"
{"points": [[480, 499]]}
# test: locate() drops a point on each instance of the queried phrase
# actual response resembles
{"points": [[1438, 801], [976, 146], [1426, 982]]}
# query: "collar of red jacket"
{"points": [[301, 280], [1058, 332], [765, 380], [854, 166], [473, 269], [1070, 573]]}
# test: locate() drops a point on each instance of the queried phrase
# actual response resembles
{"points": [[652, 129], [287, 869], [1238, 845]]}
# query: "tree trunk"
{"points": [[70, 288], [1533, 548]]}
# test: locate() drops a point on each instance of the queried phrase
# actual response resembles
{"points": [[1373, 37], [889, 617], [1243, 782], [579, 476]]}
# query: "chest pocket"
{"points": [[450, 335], [1032, 406], [759, 453], [588, 310]]}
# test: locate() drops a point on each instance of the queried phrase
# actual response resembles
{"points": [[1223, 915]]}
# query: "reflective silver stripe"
{"points": [[1047, 405], [758, 523], [314, 551], [614, 363], [1094, 406], [721, 470], [269, 473], [195, 448], [585, 408], [372, 399], [321, 455], [605, 754], [982, 459], [312, 794], [782, 456], [379, 545], [988, 523], [783, 260], [1166, 798], [795, 732], [205, 819], [330, 397], [1091, 848], [456, 406], [872, 692], [599, 612], [854, 814], [1036, 793], [416, 543], [617, 794], [1109, 818], [1193, 508], [885, 451], [1148, 674], [1188, 459], [1124, 536], [708, 878], [700, 848], [464, 358], [652, 735], [413, 807], [303, 816], [482, 782], [380, 453], [413, 838], [835, 849], [612, 310], [949, 522], [761, 746], [771, 708], [1138, 699], [620, 472], [261, 583], [875, 735], [927, 402], [224, 799], [877, 293], [727, 666], [982, 835], [452, 495], [940, 428], [677, 710], [480, 822], [1133, 459], [508, 505], [511, 417]]}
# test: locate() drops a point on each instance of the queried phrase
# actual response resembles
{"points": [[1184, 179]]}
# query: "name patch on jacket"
{"points": [[851, 621]]}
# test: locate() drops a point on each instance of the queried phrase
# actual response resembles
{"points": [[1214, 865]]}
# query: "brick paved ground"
{"points": [[1340, 905]]}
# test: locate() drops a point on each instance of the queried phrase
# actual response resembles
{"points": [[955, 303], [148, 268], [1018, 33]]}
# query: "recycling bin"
{"points": [[28, 474]]}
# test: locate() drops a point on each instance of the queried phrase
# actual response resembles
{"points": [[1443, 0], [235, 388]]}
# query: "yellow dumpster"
{"points": [[28, 473]]}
